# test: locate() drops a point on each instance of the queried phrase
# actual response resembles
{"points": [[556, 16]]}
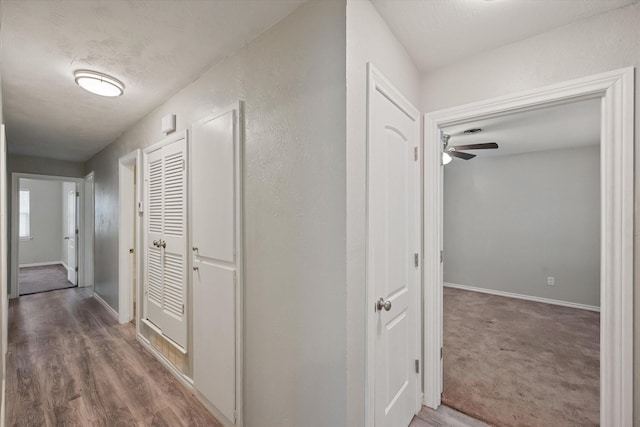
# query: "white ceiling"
{"points": [[440, 32], [154, 47], [572, 125]]}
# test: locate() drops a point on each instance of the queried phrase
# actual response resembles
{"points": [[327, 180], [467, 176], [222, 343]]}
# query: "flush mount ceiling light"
{"points": [[98, 83]]}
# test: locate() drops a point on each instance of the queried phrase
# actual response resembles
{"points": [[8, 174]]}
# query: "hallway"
{"points": [[70, 363]]}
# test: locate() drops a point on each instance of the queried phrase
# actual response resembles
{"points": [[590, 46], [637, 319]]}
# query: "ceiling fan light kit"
{"points": [[454, 151]]}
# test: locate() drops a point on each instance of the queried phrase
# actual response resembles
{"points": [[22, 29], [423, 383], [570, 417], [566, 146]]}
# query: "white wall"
{"points": [[601, 43], [44, 246], [292, 80], [512, 221], [369, 39]]}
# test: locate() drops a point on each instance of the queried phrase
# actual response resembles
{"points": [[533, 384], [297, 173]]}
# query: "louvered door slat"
{"points": [[166, 266]]}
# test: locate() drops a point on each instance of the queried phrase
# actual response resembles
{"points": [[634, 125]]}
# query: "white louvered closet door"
{"points": [[166, 240]]}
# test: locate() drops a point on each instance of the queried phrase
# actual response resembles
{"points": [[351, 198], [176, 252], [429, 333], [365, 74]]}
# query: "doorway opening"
{"points": [[47, 234], [521, 266], [129, 184], [614, 92]]}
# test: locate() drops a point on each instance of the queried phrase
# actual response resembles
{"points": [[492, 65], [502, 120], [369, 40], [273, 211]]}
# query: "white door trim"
{"points": [[15, 177], [129, 180], [376, 81], [616, 88]]}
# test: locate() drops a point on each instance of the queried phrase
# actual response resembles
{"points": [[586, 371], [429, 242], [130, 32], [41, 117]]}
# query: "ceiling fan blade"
{"points": [[461, 155], [482, 146]]}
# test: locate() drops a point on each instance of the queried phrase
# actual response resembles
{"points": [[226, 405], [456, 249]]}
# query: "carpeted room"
{"points": [[521, 270]]}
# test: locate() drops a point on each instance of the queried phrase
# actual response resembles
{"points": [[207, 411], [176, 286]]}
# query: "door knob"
{"points": [[162, 244], [155, 243], [381, 303], [66, 237]]}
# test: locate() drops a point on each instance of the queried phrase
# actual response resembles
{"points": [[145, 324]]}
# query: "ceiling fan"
{"points": [[455, 151]]}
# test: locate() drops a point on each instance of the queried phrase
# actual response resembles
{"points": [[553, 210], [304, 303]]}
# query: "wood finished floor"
{"points": [[444, 417], [70, 363]]}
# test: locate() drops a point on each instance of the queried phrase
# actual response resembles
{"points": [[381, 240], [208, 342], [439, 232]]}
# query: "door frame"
{"points": [[376, 81], [129, 232], [89, 229], [616, 89], [15, 268]]}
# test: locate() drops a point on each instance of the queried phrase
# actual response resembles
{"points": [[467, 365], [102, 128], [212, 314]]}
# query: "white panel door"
{"points": [[214, 343], [215, 197], [72, 254], [393, 275], [213, 165], [166, 240]]}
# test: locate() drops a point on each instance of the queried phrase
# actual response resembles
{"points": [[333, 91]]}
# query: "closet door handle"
{"points": [[162, 244], [155, 243]]}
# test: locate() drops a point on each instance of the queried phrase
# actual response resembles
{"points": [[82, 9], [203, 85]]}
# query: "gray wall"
{"points": [[292, 79], [369, 39], [511, 221], [601, 43], [46, 217]]}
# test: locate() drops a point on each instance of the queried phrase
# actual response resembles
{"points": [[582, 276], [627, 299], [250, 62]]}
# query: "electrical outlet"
{"points": [[551, 281]]}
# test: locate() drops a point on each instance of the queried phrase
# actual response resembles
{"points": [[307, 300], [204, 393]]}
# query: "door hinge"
{"points": [[415, 154], [76, 269], [417, 366], [77, 231], [440, 352], [441, 255], [235, 417], [415, 260], [77, 194]]}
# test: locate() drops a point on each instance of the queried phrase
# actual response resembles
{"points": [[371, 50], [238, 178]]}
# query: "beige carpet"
{"points": [[43, 278], [510, 362]]}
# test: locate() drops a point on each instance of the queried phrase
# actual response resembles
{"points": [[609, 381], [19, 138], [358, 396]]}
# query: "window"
{"points": [[25, 214]]}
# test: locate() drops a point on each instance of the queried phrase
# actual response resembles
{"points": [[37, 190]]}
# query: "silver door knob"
{"points": [[381, 303], [155, 243], [162, 244]]}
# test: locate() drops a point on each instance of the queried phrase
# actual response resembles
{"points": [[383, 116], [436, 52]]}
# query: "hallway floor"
{"points": [[70, 363]]}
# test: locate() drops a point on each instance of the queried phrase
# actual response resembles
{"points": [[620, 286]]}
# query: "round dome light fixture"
{"points": [[99, 83]]}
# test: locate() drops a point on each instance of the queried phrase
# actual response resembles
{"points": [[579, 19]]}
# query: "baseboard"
{"points": [[65, 265], [184, 380], [107, 306], [3, 408], [524, 297], [42, 264]]}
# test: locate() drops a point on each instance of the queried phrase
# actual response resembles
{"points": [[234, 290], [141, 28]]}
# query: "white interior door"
{"points": [[166, 240], [215, 177], [393, 248], [72, 255]]}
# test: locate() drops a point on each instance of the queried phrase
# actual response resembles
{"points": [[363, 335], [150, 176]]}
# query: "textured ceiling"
{"points": [[155, 47], [440, 32], [562, 126]]}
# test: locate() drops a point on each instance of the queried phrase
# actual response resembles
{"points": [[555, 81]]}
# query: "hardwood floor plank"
{"points": [[70, 363]]}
